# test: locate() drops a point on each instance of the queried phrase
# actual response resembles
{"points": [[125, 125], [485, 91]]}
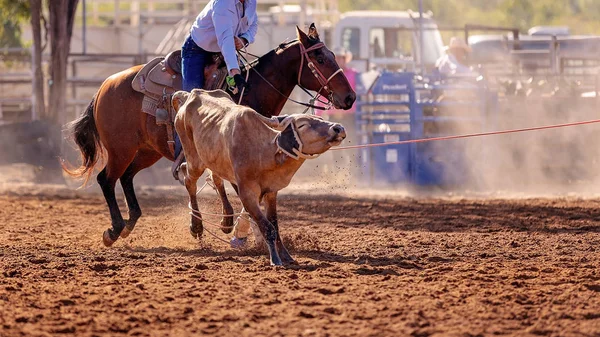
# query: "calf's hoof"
{"points": [[107, 239], [276, 263], [227, 226], [238, 243], [196, 231], [290, 262]]}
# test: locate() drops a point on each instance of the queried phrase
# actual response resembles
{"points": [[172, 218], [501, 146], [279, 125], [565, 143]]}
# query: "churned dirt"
{"points": [[380, 266]]}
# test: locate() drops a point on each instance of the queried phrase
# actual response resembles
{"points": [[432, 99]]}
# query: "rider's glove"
{"points": [[236, 83]]}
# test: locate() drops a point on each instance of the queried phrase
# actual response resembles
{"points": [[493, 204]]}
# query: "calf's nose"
{"points": [[339, 130]]}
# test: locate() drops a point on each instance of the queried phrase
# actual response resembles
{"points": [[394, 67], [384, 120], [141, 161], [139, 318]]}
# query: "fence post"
{"points": [[134, 15], [117, 22]]}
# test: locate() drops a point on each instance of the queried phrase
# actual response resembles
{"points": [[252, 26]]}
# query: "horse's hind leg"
{"points": [[143, 159], [227, 221], [107, 179]]}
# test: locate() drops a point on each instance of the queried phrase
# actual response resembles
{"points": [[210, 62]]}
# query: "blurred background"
{"points": [[421, 69]]}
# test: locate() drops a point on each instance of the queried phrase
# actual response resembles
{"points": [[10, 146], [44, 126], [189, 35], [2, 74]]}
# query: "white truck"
{"points": [[388, 39]]}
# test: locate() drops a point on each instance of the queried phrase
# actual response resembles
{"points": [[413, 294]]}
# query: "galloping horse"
{"points": [[132, 140]]}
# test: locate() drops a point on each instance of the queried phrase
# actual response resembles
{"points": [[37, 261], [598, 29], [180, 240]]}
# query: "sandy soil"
{"points": [[368, 267]]}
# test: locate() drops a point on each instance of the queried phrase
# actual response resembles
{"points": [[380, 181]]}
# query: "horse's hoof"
{"points": [[238, 243], [106, 239], [126, 231]]}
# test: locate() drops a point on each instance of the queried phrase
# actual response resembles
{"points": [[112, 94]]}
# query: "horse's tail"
{"points": [[85, 134]]}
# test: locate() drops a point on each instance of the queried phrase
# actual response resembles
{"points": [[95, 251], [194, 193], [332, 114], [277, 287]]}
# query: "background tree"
{"points": [[62, 18], [12, 14], [37, 82]]}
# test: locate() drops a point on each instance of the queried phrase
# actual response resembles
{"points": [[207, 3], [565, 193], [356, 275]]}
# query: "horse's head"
{"points": [[320, 72]]}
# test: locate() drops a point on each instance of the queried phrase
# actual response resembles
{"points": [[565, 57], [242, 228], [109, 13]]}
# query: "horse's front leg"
{"points": [[250, 195], [227, 221], [270, 200]]}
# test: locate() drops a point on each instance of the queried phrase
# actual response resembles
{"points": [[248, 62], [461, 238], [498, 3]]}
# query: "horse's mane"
{"points": [[277, 50], [285, 45]]}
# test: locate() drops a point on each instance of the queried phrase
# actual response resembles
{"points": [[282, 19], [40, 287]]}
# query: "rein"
{"points": [[315, 71]]}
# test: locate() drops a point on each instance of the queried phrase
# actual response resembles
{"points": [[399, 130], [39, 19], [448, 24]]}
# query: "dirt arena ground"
{"points": [[379, 266]]}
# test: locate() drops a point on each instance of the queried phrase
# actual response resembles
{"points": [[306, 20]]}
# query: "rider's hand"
{"points": [[240, 42], [240, 82], [236, 81]]}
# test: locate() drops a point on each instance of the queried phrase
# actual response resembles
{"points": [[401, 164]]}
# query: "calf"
{"points": [[260, 155]]}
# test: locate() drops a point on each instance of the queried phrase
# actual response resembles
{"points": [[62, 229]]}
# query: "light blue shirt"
{"points": [[219, 22]]}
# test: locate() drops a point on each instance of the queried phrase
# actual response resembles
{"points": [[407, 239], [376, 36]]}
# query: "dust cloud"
{"points": [[556, 162]]}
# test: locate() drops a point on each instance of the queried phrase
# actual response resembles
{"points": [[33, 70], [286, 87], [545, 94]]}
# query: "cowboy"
{"points": [[455, 59], [223, 26]]}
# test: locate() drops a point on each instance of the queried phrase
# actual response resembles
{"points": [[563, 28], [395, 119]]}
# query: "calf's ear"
{"points": [[287, 140], [179, 99], [275, 122]]}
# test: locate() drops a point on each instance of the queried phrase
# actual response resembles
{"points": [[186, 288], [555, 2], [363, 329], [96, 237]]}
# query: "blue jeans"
{"points": [[193, 60]]}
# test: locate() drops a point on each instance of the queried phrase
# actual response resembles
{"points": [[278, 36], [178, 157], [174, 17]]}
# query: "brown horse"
{"points": [[132, 141]]}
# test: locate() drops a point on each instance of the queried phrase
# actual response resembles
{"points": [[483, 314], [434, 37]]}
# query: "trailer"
{"points": [[400, 106]]}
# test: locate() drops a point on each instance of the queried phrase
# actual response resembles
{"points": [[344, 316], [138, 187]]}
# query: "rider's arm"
{"points": [[223, 19], [253, 26]]}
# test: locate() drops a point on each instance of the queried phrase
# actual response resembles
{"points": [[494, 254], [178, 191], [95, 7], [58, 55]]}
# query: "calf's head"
{"points": [[307, 135]]}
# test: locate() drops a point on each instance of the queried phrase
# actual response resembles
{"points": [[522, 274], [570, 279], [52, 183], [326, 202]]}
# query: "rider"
{"points": [[223, 26]]}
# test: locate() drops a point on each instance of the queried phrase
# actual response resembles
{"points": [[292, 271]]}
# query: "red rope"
{"points": [[471, 135]]}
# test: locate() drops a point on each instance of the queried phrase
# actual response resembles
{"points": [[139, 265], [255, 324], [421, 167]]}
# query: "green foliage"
{"points": [[580, 15], [12, 14]]}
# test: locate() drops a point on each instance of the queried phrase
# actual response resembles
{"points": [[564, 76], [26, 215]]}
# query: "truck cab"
{"points": [[388, 39]]}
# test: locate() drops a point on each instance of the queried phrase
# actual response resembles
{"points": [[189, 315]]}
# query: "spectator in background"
{"points": [[343, 57], [344, 117], [455, 59]]}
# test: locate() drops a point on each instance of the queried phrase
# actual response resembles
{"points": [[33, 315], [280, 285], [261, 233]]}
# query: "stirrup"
{"points": [[176, 168]]}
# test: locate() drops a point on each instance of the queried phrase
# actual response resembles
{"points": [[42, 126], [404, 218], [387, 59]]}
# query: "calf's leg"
{"points": [[227, 221], [270, 200], [250, 196], [191, 184]]}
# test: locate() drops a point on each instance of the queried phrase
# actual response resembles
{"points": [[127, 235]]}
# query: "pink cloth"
{"points": [[350, 74]]}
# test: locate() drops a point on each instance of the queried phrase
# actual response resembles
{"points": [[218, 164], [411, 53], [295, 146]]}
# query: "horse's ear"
{"points": [[179, 99], [312, 32], [302, 37]]}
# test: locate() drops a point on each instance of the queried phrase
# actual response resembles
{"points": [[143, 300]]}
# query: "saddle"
{"points": [[161, 77]]}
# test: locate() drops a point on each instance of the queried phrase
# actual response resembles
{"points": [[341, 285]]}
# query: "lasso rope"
{"points": [[198, 215], [470, 135]]}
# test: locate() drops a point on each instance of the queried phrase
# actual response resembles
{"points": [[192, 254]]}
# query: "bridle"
{"points": [[324, 81]]}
